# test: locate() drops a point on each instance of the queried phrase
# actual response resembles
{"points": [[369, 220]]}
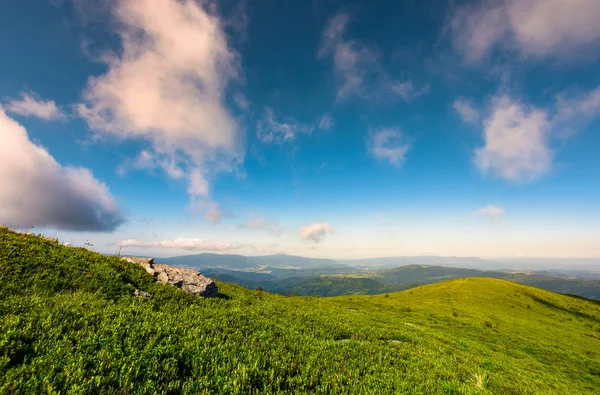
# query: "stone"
{"points": [[146, 263], [50, 238], [142, 294], [187, 279]]}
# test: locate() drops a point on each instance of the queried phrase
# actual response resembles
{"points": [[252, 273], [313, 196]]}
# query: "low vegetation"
{"points": [[309, 283], [71, 324]]}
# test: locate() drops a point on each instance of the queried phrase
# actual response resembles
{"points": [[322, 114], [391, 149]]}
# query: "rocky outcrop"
{"points": [[146, 263], [187, 279]]}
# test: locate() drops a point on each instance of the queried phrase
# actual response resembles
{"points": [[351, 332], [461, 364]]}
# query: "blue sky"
{"points": [[324, 128]]}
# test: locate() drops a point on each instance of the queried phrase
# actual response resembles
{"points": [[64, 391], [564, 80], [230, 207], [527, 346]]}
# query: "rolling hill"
{"points": [[331, 282], [71, 324]]}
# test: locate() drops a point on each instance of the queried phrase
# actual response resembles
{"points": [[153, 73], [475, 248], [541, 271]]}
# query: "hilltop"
{"points": [[72, 324]]}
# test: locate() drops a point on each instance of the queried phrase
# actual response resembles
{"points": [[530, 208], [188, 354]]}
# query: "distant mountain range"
{"points": [[578, 267], [286, 274], [228, 261]]}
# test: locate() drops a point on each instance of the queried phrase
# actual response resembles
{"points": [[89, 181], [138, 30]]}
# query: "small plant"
{"points": [[482, 380], [455, 314]]}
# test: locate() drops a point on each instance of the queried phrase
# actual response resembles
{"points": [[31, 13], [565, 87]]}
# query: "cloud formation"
{"points": [[494, 213], [31, 106], [183, 243], [388, 144], [359, 67], [325, 122], [516, 142], [167, 86], [535, 28], [36, 191], [465, 110], [315, 232], [407, 90], [582, 106], [271, 129]]}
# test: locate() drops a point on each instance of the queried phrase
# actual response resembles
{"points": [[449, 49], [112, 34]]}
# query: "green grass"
{"points": [[70, 324]]}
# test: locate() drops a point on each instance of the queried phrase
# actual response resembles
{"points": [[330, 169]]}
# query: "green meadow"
{"points": [[70, 323]]}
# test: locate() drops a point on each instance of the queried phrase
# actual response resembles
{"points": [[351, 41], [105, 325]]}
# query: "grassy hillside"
{"points": [[329, 282], [70, 324]]}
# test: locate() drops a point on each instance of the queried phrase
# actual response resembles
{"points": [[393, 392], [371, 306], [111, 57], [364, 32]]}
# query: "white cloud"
{"points": [[272, 130], [241, 101], [465, 110], [211, 211], [538, 28], [36, 191], [516, 142], [149, 160], [359, 66], [198, 185], [407, 90], [29, 105], [388, 144], [352, 60], [183, 243], [325, 122], [258, 222], [315, 232], [168, 86], [583, 106], [494, 213]]}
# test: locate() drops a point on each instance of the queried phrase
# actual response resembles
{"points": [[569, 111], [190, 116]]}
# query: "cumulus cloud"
{"points": [[494, 213], [258, 222], [183, 243], [388, 144], [538, 28], [36, 191], [167, 86], [325, 122], [359, 67], [315, 232], [31, 106], [516, 142], [465, 110], [271, 129]]}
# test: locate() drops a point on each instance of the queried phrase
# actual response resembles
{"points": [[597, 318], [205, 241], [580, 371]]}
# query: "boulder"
{"points": [[187, 279], [146, 263]]}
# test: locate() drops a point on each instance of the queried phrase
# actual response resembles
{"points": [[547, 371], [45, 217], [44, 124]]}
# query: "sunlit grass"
{"points": [[71, 324]]}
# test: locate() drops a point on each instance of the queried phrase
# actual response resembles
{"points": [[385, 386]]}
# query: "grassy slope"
{"points": [[70, 325]]}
